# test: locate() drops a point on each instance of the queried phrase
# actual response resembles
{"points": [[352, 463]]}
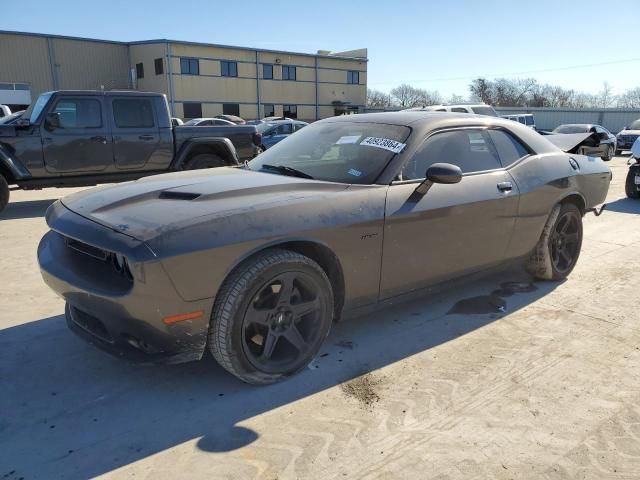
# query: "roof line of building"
{"points": [[183, 42]]}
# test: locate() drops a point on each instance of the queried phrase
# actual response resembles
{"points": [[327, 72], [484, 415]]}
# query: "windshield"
{"points": [[571, 129], [263, 127], [9, 119], [39, 106], [635, 125], [337, 152], [484, 110]]}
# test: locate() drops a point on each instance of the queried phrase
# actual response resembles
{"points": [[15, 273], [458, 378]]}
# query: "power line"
{"points": [[524, 72]]}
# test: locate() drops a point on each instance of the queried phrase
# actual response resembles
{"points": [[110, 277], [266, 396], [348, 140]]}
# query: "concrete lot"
{"points": [[549, 388]]}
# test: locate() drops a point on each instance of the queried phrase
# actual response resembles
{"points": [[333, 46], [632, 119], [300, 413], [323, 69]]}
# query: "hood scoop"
{"points": [[177, 195]]}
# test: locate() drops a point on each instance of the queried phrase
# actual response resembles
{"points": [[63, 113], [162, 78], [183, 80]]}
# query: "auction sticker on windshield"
{"points": [[385, 143]]}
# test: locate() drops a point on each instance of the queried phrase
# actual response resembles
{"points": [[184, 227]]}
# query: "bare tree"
{"points": [[407, 96], [377, 99], [630, 98], [429, 98], [456, 99], [605, 97], [481, 90]]}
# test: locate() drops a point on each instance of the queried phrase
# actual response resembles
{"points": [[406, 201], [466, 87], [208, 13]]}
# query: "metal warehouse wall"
{"points": [[613, 119]]}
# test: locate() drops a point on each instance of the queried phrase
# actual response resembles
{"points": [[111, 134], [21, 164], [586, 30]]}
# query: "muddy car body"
{"points": [[166, 267]]}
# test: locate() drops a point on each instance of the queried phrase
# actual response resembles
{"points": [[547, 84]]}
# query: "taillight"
{"points": [[257, 138]]}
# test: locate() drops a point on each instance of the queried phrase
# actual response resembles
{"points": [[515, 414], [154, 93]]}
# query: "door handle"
{"points": [[505, 186], [98, 138], [146, 137]]}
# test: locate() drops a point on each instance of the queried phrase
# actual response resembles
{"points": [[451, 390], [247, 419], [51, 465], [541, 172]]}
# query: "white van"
{"points": [[523, 118], [477, 108]]}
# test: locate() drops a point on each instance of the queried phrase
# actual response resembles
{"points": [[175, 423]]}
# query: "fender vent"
{"points": [[178, 195]]}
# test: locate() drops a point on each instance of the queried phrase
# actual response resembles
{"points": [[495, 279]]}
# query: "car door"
{"points": [[136, 134], [76, 137], [453, 229]]}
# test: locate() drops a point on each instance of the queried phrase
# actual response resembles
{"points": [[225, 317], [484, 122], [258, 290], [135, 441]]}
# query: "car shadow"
{"points": [[26, 209], [69, 410], [625, 205]]}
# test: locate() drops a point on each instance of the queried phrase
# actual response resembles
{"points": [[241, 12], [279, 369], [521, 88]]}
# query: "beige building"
{"points": [[200, 80]]}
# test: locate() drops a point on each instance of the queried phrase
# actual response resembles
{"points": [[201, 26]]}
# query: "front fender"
{"points": [[11, 164], [218, 142]]}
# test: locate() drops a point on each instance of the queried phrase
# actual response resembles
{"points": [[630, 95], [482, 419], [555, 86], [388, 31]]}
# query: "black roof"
{"points": [[106, 93]]}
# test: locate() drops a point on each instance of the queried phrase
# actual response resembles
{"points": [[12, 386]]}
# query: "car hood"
{"points": [[161, 204]]}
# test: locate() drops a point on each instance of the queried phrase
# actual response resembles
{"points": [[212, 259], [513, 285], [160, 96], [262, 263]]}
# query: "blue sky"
{"points": [[437, 45]]}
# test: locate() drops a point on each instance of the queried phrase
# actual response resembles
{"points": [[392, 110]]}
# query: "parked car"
{"points": [[632, 182], [77, 138], [278, 130], [605, 148], [474, 108], [176, 122], [253, 264], [5, 111], [627, 136], [12, 119], [523, 118], [232, 118], [207, 122]]}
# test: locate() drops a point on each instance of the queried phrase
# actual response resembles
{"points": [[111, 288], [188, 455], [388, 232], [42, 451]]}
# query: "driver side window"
{"points": [[469, 149]]}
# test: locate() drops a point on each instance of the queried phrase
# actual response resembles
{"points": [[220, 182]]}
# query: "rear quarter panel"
{"points": [[545, 180]]}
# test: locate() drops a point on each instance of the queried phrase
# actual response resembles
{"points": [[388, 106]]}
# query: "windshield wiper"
{"points": [[287, 170]]}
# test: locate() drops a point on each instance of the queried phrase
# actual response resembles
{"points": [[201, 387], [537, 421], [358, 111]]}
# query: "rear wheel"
{"points": [[630, 187], [271, 316], [559, 246], [4, 192], [205, 160]]}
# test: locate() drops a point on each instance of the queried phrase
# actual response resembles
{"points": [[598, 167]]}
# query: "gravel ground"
{"points": [[500, 378]]}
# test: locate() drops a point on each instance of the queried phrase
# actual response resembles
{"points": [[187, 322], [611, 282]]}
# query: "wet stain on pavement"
{"points": [[493, 303]]}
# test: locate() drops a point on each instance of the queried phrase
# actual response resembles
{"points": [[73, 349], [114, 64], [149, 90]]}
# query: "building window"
{"points": [[290, 111], [139, 70], [159, 65], [231, 109], [192, 110], [133, 113], [229, 69], [267, 71], [353, 77], [288, 72], [269, 110], [189, 66]]}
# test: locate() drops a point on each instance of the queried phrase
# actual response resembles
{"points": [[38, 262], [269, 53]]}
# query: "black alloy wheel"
{"points": [[282, 322], [566, 240]]}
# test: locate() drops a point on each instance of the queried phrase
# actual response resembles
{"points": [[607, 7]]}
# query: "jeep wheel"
{"points": [[559, 246], [271, 316], [630, 187], [4, 193], [205, 160]]}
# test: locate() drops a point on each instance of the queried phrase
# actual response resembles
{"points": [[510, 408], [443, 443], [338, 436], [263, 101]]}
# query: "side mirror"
{"points": [[445, 173], [52, 121]]}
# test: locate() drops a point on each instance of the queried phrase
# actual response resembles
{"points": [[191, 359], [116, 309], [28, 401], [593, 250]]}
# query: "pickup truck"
{"points": [[81, 138]]}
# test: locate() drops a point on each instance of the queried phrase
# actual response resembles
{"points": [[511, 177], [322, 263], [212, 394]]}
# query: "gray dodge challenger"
{"points": [[254, 263]]}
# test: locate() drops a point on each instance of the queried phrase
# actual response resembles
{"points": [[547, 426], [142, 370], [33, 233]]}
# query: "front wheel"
{"points": [[610, 153], [630, 186], [271, 316], [4, 193], [205, 160], [558, 249]]}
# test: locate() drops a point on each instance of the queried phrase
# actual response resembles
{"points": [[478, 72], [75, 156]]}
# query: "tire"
{"points": [[558, 248], [205, 160], [630, 187], [4, 193], [610, 153], [254, 329]]}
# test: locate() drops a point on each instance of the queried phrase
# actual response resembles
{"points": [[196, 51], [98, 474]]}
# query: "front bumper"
{"points": [[121, 315]]}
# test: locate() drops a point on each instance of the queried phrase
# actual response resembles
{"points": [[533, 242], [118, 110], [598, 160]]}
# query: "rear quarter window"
{"points": [[509, 149]]}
